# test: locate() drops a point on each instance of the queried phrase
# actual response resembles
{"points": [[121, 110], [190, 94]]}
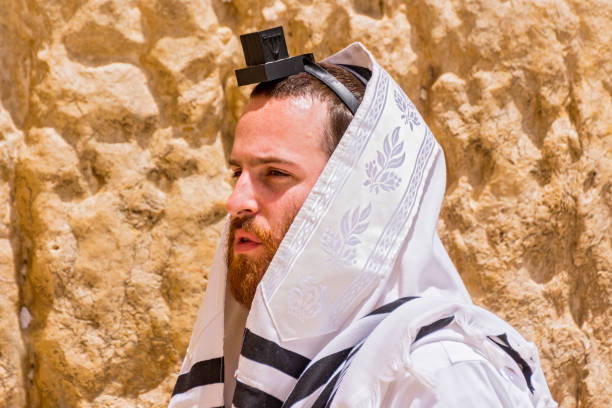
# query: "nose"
{"points": [[243, 200]]}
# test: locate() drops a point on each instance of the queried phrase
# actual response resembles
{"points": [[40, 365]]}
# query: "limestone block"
{"points": [[116, 269], [116, 118], [188, 67], [105, 31], [111, 102], [12, 347], [15, 69]]}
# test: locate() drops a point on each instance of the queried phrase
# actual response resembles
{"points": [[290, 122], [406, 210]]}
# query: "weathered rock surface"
{"points": [[12, 347], [15, 57], [116, 118]]}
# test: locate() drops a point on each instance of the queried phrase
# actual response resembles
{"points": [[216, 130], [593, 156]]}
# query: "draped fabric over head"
{"points": [[362, 245]]}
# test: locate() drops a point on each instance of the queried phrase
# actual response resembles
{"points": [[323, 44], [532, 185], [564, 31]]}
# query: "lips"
{"points": [[245, 242]]}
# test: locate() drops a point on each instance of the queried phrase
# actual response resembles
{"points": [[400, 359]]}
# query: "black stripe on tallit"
{"points": [[325, 397], [430, 328], [201, 373], [320, 372], [328, 393], [266, 352], [355, 349], [246, 396], [389, 307], [316, 375], [525, 369]]}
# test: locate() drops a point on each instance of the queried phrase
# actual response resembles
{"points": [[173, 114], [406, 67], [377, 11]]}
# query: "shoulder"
{"points": [[457, 364], [452, 373]]}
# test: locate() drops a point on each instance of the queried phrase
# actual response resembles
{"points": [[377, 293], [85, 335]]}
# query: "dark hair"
{"points": [[304, 84]]}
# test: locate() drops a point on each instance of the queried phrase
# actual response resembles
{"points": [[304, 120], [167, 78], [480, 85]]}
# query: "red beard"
{"points": [[244, 272]]}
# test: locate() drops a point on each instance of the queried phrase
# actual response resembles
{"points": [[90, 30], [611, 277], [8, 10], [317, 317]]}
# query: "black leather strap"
{"points": [[336, 86], [361, 73]]}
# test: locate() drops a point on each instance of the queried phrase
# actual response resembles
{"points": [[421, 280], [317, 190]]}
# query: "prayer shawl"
{"points": [[361, 305]]}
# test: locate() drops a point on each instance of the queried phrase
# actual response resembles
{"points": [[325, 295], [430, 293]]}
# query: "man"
{"points": [[332, 258], [282, 142]]}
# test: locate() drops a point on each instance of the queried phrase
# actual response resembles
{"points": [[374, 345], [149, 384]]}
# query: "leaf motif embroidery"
{"points": [[409, 111], [378, 172], [340, 247]]}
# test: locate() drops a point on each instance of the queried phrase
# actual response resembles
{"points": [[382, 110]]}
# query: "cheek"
{"points": [[285, 209], [282, 209], [298, 197]]}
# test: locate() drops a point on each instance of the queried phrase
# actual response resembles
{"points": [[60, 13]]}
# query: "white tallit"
{"points": [[361, 305]]}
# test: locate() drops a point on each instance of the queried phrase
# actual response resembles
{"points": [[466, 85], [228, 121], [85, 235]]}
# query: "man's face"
{"points": [[276, 159]]}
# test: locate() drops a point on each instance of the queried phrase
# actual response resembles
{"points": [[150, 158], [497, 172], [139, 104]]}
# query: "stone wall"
{"points": [[116, 117]]}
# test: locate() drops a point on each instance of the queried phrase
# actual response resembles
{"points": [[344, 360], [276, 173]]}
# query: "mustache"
{"points": [[247, 224]]}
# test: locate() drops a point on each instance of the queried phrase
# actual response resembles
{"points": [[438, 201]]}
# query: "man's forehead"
{"points": [[298, 104], [269, 125]]}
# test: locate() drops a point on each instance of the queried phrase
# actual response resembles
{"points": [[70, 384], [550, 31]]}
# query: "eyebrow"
{"points": [[256, 161]]}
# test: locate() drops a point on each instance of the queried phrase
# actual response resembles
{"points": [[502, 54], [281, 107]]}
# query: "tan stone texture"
{"points": [[116, 117]]}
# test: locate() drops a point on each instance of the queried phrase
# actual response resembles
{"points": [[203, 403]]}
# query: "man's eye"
{"points": [[277, 173], [236, 174]]}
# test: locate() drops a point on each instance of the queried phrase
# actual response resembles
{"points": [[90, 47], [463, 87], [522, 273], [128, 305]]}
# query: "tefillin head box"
{"points": [[267, 58], [264, 46]]}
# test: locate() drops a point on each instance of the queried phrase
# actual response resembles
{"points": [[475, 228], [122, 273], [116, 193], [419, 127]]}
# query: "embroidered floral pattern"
{"points": [[340, 247], [379, 171], [400, 221], [409, 111], [306, 299], [305, 226]]}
